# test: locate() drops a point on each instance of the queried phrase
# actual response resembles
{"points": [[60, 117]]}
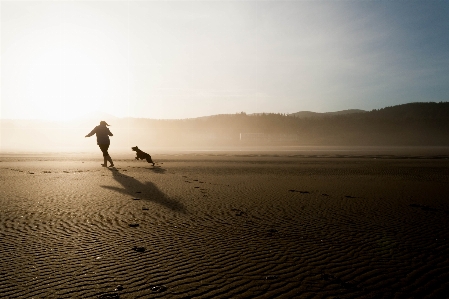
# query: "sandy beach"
{"points": [[225, 225]]}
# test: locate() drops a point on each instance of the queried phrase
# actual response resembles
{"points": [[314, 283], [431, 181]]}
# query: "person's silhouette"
{"points": [[103, 133]]}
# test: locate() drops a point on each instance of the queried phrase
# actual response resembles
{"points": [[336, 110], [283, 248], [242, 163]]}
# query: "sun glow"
{"points": [[65, 60], [60, 90]]}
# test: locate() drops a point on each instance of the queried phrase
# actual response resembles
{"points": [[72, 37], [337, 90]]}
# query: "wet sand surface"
{"points": [[271, 225]]}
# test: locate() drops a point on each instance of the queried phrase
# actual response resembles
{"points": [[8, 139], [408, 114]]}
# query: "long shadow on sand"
{"points": [[147, 191]]}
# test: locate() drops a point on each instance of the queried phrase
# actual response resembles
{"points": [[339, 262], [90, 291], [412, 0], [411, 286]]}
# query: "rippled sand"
{"points": [[224, 226]]}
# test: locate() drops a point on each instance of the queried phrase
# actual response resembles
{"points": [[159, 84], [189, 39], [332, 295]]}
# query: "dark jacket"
{"points": [[103, 134]]}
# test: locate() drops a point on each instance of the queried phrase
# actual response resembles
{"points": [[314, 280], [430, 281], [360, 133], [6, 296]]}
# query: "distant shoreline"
{"points": [[398, 152]]}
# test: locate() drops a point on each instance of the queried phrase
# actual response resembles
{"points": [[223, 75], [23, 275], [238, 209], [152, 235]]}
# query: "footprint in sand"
{"points": [[423, 207], [325, 276], [238, 212], [109, 296], [139, 249], [133, 224], [332, 278], [348, 285], [302, 192], [271, 277]]}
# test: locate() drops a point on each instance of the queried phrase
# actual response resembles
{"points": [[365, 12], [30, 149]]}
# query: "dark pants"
{"points": [[104, 149]]}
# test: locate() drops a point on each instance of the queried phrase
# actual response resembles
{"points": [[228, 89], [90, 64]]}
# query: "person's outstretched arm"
{"points": [[91, 133], [109, 133]]}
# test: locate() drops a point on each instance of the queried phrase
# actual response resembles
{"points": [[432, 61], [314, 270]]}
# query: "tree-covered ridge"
{"points": [[408, 124], [415, 111]]}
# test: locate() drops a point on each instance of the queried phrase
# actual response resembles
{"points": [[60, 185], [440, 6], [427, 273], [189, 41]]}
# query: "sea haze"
{"points": [[414, 124]]}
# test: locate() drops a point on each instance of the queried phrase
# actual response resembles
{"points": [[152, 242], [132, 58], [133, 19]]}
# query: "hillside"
{"points": [[309, 114]]}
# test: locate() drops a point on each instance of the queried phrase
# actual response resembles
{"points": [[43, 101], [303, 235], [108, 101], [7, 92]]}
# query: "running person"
{"points": [[103, 141]]}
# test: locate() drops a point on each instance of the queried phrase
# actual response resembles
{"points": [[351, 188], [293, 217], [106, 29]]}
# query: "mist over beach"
{"points": [[224, 149], [413, 124]]}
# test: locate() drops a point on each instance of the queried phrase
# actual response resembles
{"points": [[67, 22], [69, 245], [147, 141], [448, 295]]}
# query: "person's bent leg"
{"points": [[110, 161], [104, 149]]}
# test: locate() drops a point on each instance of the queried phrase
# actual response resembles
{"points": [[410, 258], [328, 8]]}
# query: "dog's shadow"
{"points": [[147, 191], [156, 169]]}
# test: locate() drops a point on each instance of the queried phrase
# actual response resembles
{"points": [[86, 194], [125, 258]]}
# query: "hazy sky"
{"points": [[180, 59]]}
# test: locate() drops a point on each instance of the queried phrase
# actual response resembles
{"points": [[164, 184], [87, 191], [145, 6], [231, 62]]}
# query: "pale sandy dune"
{"points": [[225, 225]]}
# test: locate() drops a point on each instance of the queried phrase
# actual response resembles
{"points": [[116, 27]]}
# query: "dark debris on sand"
{"points": [[158, 289], [119, 288]]}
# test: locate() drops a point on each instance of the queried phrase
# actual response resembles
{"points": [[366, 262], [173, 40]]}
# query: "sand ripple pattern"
{"points": [[222, 229]]}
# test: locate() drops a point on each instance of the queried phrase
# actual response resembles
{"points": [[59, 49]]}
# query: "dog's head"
{"points": [[135, 148]]}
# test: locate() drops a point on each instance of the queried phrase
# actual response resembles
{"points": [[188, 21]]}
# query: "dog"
{"points": [[142, 155]]}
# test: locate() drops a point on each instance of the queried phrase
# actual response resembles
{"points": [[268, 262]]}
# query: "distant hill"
{"points": [[416, 111], [309, 114], [422, 124]]}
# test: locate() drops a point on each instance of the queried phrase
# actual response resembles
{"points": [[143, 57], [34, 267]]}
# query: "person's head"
{"points": [[103, 123]]}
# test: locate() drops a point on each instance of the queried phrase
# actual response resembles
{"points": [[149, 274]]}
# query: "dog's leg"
{"points": [[149, 160]]}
